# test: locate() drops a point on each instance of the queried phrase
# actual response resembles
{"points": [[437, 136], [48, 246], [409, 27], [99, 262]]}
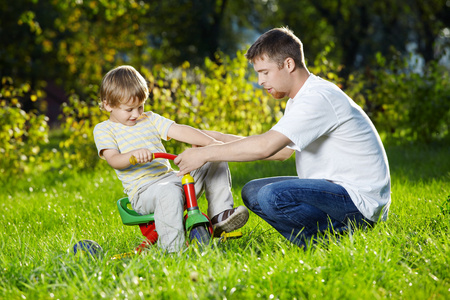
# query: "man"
{"points": [[343, 173]]}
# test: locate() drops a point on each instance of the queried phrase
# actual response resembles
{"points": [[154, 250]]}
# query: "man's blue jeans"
{"points": [[299, 209]]}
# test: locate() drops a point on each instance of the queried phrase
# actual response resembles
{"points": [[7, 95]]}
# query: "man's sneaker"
{"points": [[229, 220]]}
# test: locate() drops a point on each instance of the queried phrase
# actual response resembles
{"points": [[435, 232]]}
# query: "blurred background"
{"points": [[391, 56]]}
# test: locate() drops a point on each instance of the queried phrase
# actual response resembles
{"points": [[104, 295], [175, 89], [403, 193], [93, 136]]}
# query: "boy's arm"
{"points": [[190, 135], [182, 133], [120, 161]]}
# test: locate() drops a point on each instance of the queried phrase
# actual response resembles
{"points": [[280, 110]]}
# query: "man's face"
{"points": [[126, 113], [273, 79]]}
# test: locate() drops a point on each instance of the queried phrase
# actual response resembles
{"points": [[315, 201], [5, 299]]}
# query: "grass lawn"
{"points": [[407, 257]]}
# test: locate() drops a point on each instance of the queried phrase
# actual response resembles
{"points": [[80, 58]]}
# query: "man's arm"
{"points": [[190, 135], [223, 137], [283, 154], [246, 149]]}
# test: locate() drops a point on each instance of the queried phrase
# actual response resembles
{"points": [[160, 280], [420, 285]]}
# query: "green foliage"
{"points": [[360, 29], [404, 103], [22, 134], [78, 147], [223, 96], [408, 104], [74, 42], [218, 97]]}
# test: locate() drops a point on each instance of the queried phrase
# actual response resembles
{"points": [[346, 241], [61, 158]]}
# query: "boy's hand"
{"points": [[140, 156]]}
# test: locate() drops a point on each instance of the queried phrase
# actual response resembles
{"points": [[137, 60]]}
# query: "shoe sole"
{"points": [[233, 222]]}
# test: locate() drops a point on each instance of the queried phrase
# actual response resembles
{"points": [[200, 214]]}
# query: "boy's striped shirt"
{"points": [[148, 132]]}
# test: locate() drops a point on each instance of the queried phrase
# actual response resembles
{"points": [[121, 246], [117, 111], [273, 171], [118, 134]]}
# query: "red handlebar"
{"points": [[155, 155], [164, 155]]}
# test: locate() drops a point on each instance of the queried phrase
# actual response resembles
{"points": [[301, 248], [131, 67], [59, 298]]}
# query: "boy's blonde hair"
{"points": [[121, 85]]}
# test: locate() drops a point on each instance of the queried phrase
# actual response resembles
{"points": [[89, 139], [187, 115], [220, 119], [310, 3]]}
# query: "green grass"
{"points": [[407, 257]]}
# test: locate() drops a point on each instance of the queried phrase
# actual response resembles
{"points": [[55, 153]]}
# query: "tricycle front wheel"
{"points": [[200, 234]]}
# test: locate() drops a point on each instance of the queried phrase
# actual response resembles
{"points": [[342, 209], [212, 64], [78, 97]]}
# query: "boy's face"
{"points": [[126, 113], [274, 80]]}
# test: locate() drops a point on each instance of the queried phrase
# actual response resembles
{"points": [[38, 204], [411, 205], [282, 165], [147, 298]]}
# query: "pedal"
{"points": [[230, 235]]}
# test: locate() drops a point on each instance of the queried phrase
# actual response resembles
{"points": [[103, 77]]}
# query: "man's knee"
{"points": [[249, 195]]}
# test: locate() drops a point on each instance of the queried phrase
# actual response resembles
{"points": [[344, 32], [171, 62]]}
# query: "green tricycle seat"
{"points": [[129, 216]]}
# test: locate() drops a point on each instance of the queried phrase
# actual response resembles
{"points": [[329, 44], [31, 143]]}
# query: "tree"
{"points": [[74, 42], [357, 30]]}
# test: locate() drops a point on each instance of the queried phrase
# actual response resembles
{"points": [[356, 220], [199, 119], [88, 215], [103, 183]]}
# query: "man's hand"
{"points": [[190, 160]]}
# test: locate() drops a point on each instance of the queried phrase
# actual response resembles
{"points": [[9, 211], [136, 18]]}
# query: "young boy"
{"points": [[152, 186]]}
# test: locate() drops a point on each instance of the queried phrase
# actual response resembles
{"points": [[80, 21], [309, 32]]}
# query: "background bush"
{"points": [[408, 105], [222, 95], [22, 134]]}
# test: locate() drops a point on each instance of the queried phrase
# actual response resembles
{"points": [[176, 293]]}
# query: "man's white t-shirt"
{"points": [[335, 140]]}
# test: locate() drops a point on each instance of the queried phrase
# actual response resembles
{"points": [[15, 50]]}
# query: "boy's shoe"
{"points": [[229, 220]]}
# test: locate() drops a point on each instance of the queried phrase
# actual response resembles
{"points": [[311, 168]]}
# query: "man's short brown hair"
{"points": [[278, 44]]}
